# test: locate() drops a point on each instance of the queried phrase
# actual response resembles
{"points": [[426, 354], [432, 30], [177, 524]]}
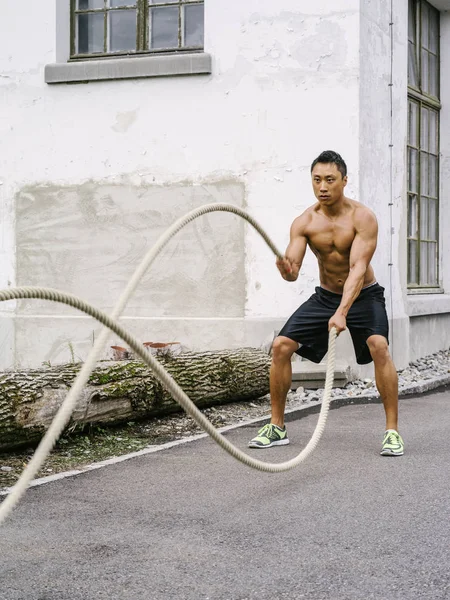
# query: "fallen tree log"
{"points": [[126, 390]]}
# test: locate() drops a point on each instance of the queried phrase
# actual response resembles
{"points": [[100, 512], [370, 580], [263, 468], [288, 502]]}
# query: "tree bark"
{"points": [[126, 390]]}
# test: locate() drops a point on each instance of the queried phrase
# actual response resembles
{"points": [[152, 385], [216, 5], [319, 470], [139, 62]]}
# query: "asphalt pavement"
{"points": [[191, 523]]}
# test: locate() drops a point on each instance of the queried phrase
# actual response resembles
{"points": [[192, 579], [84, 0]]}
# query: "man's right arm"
{"points": [[290, 265]]}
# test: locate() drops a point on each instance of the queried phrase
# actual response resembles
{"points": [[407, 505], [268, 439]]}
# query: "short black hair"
{"points": [[329, 156]]}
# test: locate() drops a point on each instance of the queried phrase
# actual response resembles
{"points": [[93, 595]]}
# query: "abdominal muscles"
{"points": [[334, 269]]}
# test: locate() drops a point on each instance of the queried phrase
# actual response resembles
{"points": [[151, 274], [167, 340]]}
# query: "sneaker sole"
{"points": [[284, 442], [391, 453]]}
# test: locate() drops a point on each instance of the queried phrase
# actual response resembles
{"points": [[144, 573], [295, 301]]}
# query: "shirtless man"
{"points": [[342, 233]]}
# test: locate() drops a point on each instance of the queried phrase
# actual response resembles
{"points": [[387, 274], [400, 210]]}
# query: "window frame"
{"points": [[425, 101], [142, 8]]}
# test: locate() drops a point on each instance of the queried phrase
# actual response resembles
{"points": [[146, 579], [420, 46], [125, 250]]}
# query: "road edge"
{"points": [[416, 389]]}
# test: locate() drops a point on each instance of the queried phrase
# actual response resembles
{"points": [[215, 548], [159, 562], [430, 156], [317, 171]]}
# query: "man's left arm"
{"points": [[362, 250]]}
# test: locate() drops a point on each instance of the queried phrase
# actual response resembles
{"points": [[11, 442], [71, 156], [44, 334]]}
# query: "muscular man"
{"points": [[342, 233]]}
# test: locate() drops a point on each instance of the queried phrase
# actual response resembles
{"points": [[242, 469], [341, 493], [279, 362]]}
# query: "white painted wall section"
{"points": [[90, 172]]}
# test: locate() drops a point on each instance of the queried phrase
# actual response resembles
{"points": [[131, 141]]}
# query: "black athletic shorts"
{"points": [[309, 324]]}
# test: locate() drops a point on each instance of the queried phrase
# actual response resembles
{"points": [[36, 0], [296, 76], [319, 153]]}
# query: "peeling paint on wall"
{"points": [[124, 121]]}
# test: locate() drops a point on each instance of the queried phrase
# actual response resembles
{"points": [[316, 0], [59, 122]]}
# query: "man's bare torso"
{"points": [[330, 239]]}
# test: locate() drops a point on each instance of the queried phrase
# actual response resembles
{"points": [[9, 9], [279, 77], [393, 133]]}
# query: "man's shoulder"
{"points": [[308, 213], [360, 207], [361, 210], [304, 218], [363, 216]]}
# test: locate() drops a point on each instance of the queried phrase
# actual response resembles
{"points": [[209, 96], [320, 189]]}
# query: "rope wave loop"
{"points": [[111, 323]]}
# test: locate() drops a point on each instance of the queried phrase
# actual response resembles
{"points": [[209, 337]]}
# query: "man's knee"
{"points": [[379, 348], [283, 348]]}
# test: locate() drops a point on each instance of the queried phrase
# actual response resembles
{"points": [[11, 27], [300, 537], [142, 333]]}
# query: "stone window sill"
{"points": [[429, 304], [128, 68]]}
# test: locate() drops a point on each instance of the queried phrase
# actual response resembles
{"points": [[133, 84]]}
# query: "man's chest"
{"points": [[330, 237]]}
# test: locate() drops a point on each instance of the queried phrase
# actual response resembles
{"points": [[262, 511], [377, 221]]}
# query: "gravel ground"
{"points": [[97, 444]]}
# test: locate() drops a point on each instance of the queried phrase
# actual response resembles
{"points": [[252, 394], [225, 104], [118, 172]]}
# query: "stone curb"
{"points": [[424, 387]]}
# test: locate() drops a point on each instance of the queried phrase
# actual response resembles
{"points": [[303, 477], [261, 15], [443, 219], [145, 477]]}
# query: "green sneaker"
{"points": [[392, 444], [269, 435]]}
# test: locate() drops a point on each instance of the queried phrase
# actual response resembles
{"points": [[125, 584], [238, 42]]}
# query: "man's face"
{"points": [[328, 183]]}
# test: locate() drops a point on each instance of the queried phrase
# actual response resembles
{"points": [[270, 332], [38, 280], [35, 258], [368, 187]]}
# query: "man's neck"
{"points": [[337, 209]]}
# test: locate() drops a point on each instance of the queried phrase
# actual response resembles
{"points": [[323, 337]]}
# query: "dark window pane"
{"points": [[424, 24], [412, 29], [116, 3], [432, 220], [423, 175], [122, 30], [424, 271], [434, 146], [424, 75], [428, 264], [412, 217], [413, 170], [413, 122], [90, 33], [424, 123], [413, 67], [433, 69], [434, 31], [194, 25], [434, 177], [424, 219], [432, 264], [164, 27], [412, 262], [90, 4], [162, 1]]}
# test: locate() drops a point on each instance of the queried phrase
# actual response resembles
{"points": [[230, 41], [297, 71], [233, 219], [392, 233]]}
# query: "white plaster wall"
{"points": [[288, 81], [429, 334], [284, 87]]}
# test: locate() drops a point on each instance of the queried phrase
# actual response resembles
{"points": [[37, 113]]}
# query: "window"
{"points": [[423, 145], [115, 27]]}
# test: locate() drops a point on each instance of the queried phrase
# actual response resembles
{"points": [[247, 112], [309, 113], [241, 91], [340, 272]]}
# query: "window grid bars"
{"points": [[424, 101], [417, 236], [143, 27], [418, 47]]}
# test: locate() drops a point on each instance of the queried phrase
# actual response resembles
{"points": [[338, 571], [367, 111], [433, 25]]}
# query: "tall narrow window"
{"points": [[423, 146], [114, 27]]}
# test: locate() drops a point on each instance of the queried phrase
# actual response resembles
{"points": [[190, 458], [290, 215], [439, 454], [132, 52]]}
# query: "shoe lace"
{"points": [[266, 430], [392, 438]]}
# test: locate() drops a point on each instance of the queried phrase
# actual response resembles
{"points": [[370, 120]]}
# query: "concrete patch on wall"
{"points": [[89, 239]]}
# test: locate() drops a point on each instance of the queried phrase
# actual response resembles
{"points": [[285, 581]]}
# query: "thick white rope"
{"points": [[63, 415]]}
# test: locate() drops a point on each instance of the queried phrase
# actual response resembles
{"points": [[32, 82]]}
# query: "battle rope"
{"points": [[110, 322]]}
